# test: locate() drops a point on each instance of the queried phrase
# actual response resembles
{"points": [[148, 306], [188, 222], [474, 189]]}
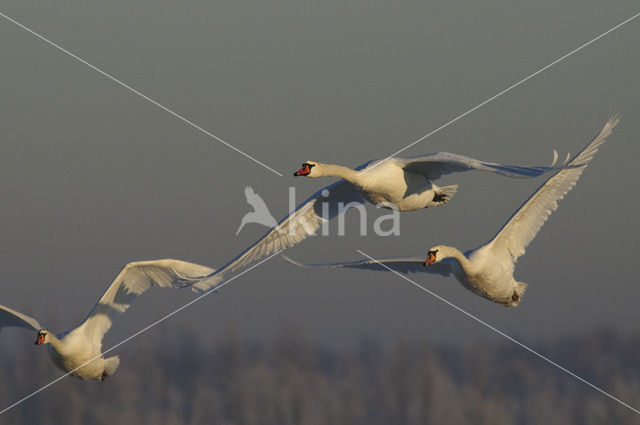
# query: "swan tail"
{"points": [[110, 366], [518, 293], [442, 195]]}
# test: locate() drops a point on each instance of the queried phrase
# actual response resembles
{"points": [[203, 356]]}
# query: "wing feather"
{"points": [[134, 279], [525, 223], [11, 318], [435, 165], [297, 226]]}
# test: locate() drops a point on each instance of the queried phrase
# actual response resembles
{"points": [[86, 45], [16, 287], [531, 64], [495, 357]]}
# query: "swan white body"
{"points": [[76, 348], [488, 270], [399, 183]]}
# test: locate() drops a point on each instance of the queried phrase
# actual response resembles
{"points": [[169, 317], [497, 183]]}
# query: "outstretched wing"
{"points": [[297, 226], [404, 265], [134, 279], [435, 165], [525, 223], [11, 318]]}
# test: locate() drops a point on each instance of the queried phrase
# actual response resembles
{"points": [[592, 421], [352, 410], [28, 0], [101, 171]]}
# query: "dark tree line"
{"points": [[291, 381]]}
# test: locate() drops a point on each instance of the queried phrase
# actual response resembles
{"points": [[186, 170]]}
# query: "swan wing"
{"points": [[134, 279], [11, 318], [435, 165], [297, 226], [525, 223], [404, 265]]}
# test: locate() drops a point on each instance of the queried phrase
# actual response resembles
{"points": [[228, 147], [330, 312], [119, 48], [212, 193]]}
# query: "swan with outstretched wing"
{"points": [[488, 270], [78, 351]]}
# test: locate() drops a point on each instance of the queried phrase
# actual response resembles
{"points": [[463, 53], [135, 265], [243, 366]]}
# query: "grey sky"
{"points": [[93, 177]]}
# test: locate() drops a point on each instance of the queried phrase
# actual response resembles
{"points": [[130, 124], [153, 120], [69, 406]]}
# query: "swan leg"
{"points": [[442, 195], [515, 297], [439, 198]]}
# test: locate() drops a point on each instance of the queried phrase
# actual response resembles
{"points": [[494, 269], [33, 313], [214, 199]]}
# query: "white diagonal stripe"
{"points": [[136, 334], [142, 95], [499, 332], [577, 49]]}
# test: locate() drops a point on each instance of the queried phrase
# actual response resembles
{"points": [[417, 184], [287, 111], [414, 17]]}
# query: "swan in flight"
{"points": [[488, 270], [396, 183], [79, 350], [407, 184]]}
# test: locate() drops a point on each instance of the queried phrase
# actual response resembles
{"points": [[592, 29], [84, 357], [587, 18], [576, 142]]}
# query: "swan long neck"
{"points": [[451, 252], [55, 343], [331, 170]]}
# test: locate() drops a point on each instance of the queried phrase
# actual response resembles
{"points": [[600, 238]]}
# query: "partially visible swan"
{"points": [[70, 350], [404, 184], [488, 270]]}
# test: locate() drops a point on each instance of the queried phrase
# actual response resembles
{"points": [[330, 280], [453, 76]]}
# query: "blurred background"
{"points": [[93, 176]]}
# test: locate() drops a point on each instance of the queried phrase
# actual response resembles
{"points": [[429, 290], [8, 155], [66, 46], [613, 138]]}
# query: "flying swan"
{"points": [[488, 270], [397, 183], [407, 183], [74, 350]]}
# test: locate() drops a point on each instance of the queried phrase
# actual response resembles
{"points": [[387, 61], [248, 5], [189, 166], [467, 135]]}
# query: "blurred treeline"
{"points": [[289, 380]]}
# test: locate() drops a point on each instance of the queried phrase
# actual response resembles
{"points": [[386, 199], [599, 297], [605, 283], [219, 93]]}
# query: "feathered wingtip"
{"points": [[585, 155], [614, 118], [293, 262], [555, 160]]}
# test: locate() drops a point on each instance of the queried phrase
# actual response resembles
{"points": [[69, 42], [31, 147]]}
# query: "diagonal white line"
{"points": [[503, 92], [114, 79], [531, 350], [136, 334]]}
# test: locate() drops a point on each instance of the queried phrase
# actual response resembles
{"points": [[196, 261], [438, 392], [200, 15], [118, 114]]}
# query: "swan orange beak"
{"points": [[40, 339], [303, 171], [431, 258]]}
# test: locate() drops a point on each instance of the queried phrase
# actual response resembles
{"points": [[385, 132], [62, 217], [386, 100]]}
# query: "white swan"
{"points": [[70, 350], [403, 184], [407, 183], [488, 270]]}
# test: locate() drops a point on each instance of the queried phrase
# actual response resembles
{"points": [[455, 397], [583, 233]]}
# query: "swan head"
{"points": [[434, 255], [309, 169], [43, 337]]}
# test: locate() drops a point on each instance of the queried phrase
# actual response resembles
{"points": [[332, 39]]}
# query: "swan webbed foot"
{"points": [[439, 198]]}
